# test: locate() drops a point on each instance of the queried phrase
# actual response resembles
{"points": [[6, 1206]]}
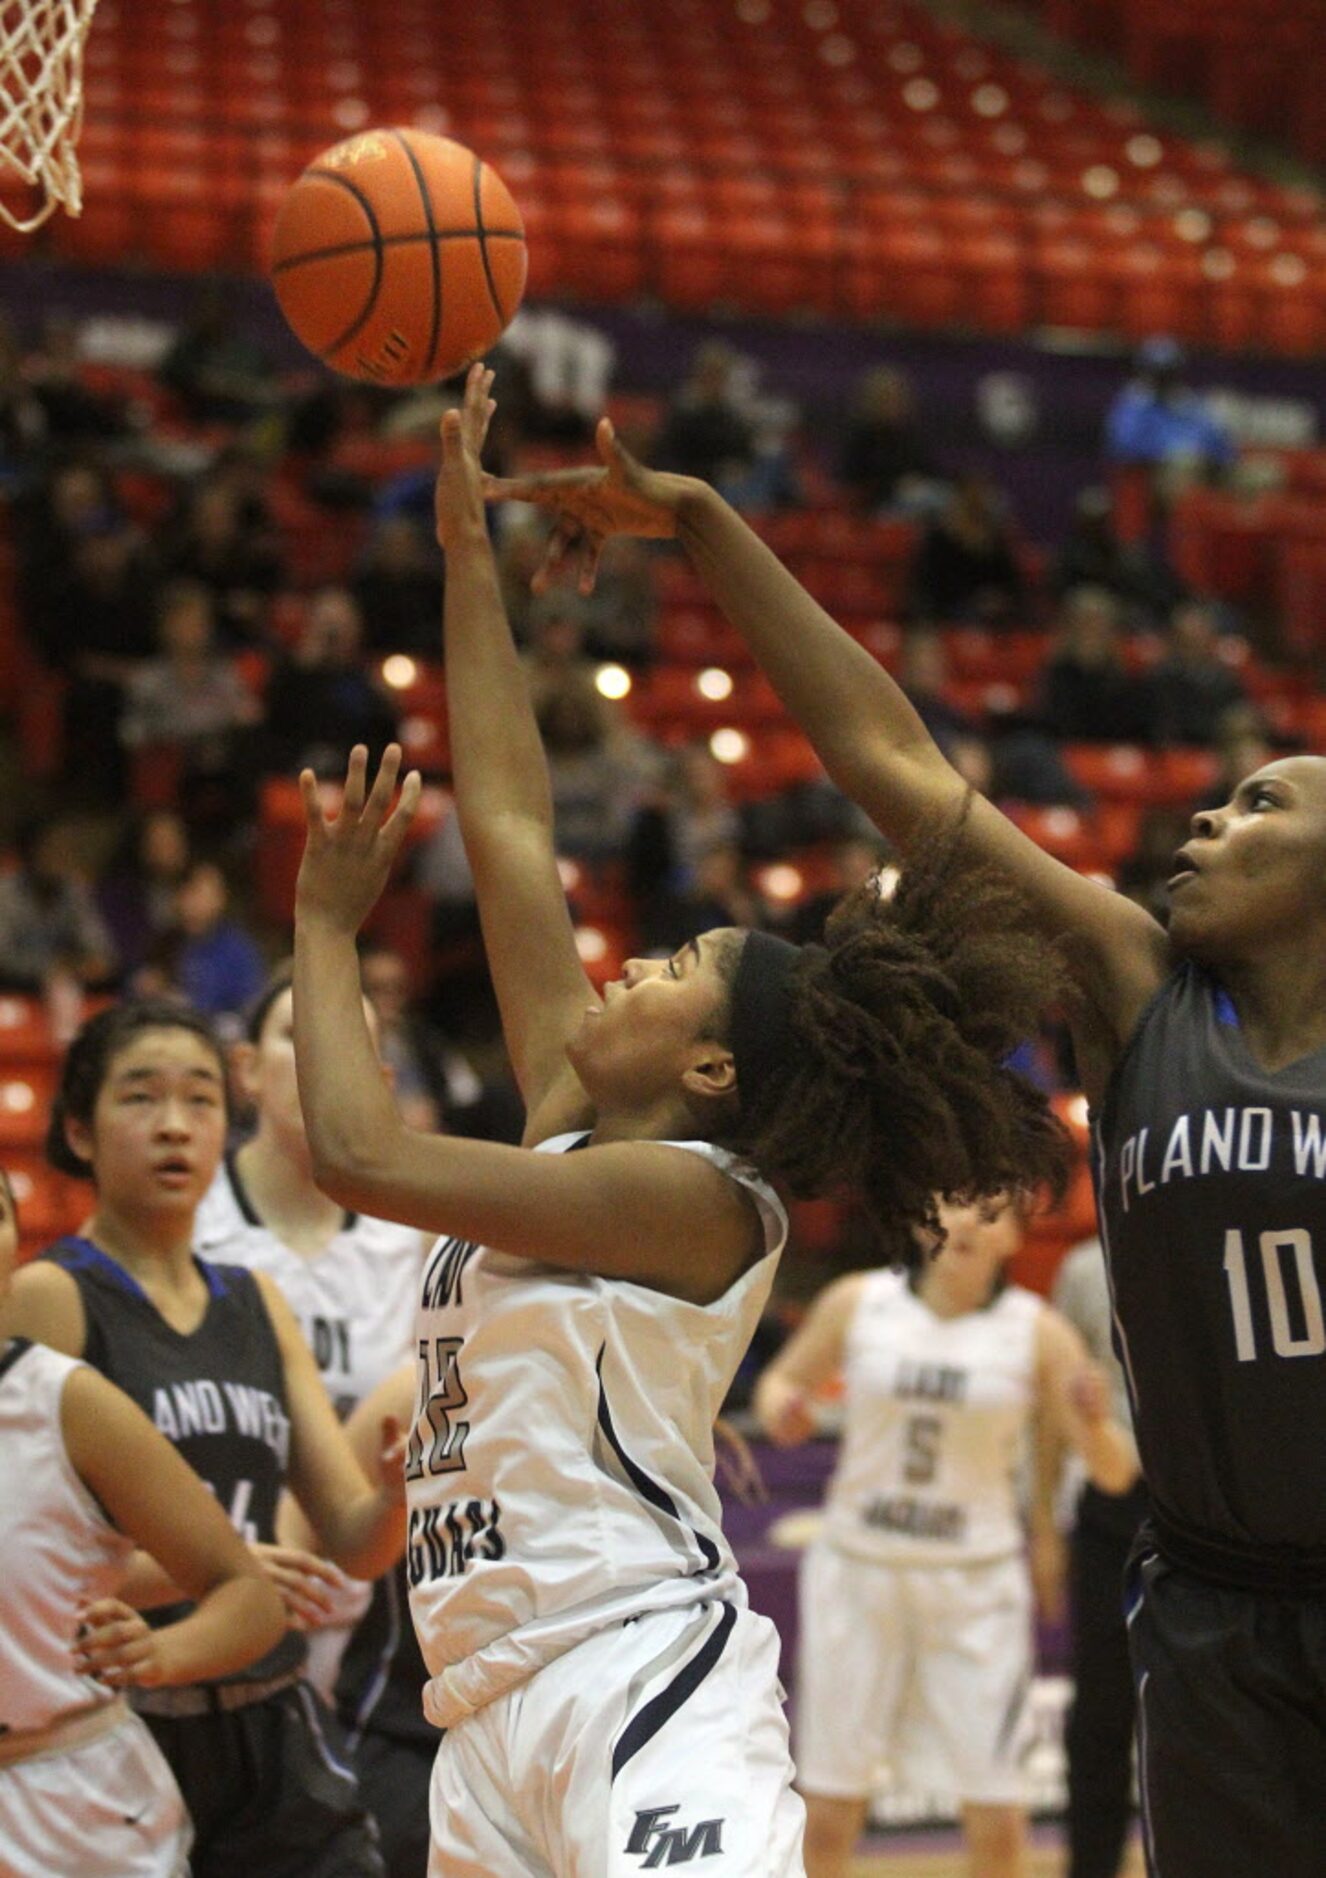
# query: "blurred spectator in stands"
{"points": [[136, 892], [685, 814], [53, 941], [322, 700], [596, 766], [884, 460], [1027, 765], [53, 515], [924, 676], [1087, 694], [1192, 686], [245, 472], [853, 860], [71, 413], [22, 421], [1158, 427], [209, 958], [399, 590], [1243, 744], [716, 891], [212, 543], [434, 1083], [705, 432], [619, 614], [191, 702], [91, 620], [555, 655], [1143, 875], [215, 370], [566, 365], [1092, 555], [965, 566], [519, 557]]}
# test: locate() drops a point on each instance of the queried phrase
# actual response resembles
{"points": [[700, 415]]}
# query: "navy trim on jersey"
{"points": [[642, 1728], [378, 1681], [87, 1256], [1225, 1010], [252, 1217], [17, 1346], [645, 1484]]}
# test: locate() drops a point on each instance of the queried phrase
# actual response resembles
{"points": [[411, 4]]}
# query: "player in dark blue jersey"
{"points": [[214, 1358], [1203, 1053]]}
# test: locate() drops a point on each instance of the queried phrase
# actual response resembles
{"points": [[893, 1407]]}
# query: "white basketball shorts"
{"points": [[108, 1808], [660, 1742], [924, 1669]]}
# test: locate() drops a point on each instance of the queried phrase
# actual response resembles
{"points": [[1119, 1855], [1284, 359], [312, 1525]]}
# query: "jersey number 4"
{"points": [[441, 1392], [1293, 1296]]}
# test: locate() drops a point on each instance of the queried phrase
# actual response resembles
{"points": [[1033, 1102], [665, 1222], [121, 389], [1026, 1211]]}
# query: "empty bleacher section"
{"points": [[845, 158]]}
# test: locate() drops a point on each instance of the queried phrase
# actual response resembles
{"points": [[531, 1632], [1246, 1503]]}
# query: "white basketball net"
{"points": [[41, 101]]}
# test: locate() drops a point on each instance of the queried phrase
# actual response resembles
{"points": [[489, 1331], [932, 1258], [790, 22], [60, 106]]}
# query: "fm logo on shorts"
{"points": [[660, 1844]]}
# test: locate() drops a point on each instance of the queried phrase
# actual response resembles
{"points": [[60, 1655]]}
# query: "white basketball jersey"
{"points": [[935, 1417], [58, 1551], [560, 1477], [355, 1300]]}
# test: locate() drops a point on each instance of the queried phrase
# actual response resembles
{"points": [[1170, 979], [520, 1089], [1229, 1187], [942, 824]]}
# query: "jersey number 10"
{"points": [[1286, 1259]]}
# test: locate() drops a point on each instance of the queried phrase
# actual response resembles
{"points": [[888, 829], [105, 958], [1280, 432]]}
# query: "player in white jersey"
{"points": [[84, 1477], [610, 1702], [351, 1280], [915, 1608]]}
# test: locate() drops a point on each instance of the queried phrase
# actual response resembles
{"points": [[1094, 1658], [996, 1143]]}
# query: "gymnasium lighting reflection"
{"points": [[612, 681]]}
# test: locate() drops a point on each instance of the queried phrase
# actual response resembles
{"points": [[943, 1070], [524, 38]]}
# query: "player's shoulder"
{"points": [[376, 1238]]}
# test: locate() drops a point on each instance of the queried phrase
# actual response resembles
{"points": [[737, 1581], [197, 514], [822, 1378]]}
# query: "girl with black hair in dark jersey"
{"points": [[213, 1355]]}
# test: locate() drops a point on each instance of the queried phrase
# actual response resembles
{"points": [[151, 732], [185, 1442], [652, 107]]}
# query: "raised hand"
{"points": [[459, 497], [348, 857], [620, 497]]}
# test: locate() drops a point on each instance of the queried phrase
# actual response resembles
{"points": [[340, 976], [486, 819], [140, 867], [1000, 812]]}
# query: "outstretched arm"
{"points": [[503, 796], [865, 731], [629, 1209], [785, 1391]]}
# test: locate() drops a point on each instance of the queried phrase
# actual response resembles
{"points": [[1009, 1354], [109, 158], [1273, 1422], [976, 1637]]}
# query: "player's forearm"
{"points": [[859, 721], [1109, 1455], [147, 1586], [366, 1536], [349, 1116], [237, 1622], [496, 753]]}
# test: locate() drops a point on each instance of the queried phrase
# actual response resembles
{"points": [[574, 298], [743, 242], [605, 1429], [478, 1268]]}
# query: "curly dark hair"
{"points": [[89, 1057], [905, 1019]]}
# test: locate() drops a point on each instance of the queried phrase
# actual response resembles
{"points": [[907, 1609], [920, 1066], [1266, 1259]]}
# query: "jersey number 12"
{"points": [[1286, 1260], [442, 1393]]}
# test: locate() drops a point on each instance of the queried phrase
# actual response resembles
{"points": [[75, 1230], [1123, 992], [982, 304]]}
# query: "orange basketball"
{"points": [[398, 257]]}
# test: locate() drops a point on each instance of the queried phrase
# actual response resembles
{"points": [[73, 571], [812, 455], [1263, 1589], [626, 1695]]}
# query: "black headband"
{"points": [[762, 1041]]}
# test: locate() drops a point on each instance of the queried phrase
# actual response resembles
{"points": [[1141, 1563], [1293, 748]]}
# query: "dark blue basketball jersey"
{"points": [[1211, 1179], [218, 1394]]}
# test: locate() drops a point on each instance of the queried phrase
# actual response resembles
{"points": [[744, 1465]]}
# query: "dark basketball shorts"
{"points": [[1231, 1725], [271, 1789], [394, 1775]]}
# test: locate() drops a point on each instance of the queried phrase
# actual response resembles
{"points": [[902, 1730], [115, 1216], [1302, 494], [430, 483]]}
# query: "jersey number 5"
{"points": [[442, 1393], [1286, 1262]]}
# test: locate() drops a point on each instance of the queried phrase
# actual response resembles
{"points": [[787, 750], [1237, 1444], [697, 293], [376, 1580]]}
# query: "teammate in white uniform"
{"points": [[915, 1610], [611, 1705], [352, 1281], [84, 1790]]}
